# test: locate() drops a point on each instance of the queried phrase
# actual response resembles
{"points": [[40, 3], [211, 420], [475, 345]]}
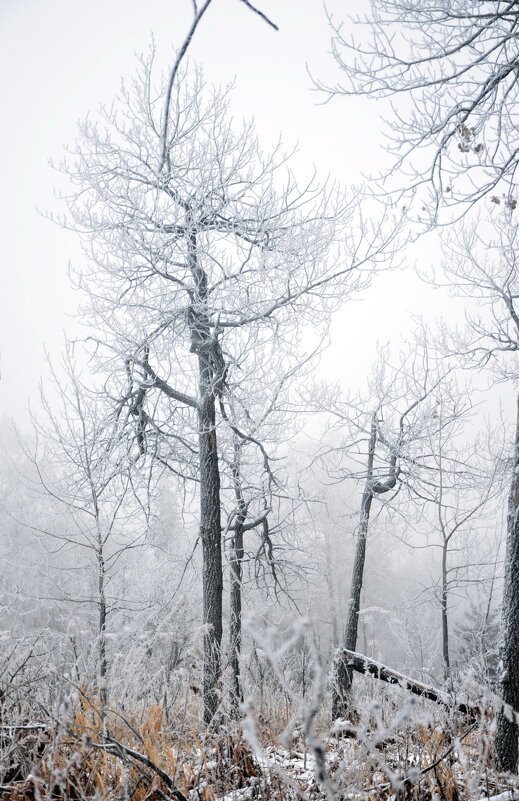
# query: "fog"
{"points": [[258, 414]]}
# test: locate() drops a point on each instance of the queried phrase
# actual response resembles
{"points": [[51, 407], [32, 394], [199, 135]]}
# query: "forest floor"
{"points": [[399, 747], [414, 754]]}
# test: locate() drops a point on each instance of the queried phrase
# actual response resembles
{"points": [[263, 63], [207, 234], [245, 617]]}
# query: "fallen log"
{"points": [[362, 664]]}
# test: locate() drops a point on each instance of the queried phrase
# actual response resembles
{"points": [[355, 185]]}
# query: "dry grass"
{"points": [[397, 752]]}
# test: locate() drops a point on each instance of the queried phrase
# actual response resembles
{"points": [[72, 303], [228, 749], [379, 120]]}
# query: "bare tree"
{"points": [[262, 502], [386, 434], [483, 265], [454, 496], [250, 511], [450, 69], [201, 268], [97, 516], [373, 487], [241, 520], [455, 66]]}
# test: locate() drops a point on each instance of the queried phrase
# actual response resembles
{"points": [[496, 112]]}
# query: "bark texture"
{"points": [[341, 698], [103, 662], [205, 344], [507, 719], [235, 624], [445, 613], [211, 537], [236, 566]]}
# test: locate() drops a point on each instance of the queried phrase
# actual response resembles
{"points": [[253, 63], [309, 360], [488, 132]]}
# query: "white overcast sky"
{"points": [[60, 59]]}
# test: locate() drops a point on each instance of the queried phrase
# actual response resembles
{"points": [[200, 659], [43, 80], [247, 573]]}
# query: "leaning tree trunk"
{"points": [[341, 694], [507, 728]]}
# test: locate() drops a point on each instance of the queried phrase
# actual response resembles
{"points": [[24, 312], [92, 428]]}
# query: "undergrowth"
{"points": [[399, 748]]}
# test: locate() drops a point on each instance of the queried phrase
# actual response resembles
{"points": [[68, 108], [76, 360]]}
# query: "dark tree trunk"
{"points": [[102, 667], [237, 553], [236, 605], [341, 694], [445, 617], [507, 730], [341, 698], [205, 344], [211, 538]]}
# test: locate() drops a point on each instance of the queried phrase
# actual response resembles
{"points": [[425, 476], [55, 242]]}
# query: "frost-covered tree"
{"points": [[87, 512], [206, 260], [483, 266], [450, 70], [454, 495], [478, 638], [385, 447]]}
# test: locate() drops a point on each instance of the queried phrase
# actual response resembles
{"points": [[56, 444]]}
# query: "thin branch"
{"points": [[260, 14]]}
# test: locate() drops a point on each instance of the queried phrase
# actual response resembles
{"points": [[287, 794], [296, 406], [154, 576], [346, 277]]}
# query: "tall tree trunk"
{"points": [[341, 694], [507, 729], [103, 662], [235, 628], [205, 344], [211, 538], [237, 553], [445, 618]]}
